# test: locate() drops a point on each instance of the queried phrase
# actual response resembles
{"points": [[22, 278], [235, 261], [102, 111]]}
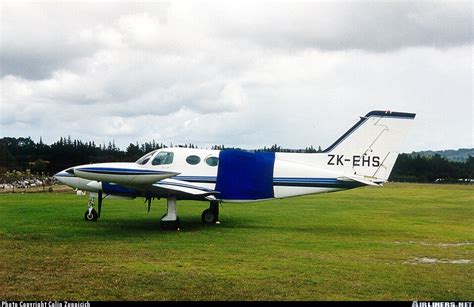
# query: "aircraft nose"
{"points": [[67, 173]]}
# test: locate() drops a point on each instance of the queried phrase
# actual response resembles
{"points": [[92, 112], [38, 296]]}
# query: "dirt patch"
{"points": [[57, 188], [425, 260], [437, 244]]}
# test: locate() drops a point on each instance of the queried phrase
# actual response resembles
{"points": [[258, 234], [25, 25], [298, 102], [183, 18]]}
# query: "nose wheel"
{"points": [[91, 214]]}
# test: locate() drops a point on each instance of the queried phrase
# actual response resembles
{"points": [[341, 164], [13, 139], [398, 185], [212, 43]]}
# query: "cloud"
{"points": [[244, 75], [372, 26], [39, 37]]}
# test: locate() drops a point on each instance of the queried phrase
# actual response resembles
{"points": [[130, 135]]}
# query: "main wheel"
{"points": [[92, 216], [208, 216]]}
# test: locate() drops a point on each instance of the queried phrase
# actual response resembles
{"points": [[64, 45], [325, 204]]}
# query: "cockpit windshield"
{"points": [[163, 158], [143, 160]]}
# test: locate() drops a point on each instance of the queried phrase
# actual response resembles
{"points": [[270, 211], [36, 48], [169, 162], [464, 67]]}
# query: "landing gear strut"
{"points": [[170, 221], [211, 215], [91, 214]]}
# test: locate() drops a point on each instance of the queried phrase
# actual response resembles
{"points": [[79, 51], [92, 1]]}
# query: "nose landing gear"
{"points": [[92, 215]]}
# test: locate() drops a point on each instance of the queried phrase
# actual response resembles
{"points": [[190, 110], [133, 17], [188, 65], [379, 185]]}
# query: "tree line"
{"points": [[23, 153], [39, 158], [417, 168]]}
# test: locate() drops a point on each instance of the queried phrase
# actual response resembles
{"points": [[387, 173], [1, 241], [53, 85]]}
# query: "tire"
{"points": [[208, 216], [92, 216]]}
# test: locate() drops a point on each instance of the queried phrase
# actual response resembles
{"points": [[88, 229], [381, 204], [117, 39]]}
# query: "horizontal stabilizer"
{"points": [[361, 179]]}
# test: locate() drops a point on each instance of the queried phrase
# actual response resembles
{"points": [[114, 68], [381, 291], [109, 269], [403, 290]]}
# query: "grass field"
{"points": [[400, 242]]}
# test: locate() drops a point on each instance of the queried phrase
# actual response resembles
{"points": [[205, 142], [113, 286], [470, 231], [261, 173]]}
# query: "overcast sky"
{"points": [[238, 74]]}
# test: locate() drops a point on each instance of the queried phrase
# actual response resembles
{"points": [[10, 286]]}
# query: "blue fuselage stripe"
{"points": [[285, 181], [120, 171]]}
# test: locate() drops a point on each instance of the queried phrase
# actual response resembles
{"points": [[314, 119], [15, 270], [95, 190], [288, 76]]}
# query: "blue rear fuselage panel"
{"points": [[245, 175]]}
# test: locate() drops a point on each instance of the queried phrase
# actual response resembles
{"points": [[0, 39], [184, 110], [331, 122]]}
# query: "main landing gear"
{"points": [[91, 214], [211, 215], [170, 221]]}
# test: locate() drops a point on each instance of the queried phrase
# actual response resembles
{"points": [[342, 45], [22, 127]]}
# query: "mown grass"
{"points": [[360, 244]]}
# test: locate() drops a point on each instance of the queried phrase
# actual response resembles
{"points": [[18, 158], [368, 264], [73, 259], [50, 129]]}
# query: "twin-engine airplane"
{"points": [[364, 155]]}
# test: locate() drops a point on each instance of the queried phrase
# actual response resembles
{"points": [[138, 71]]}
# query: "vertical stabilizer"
{"points": [[370, 148]]}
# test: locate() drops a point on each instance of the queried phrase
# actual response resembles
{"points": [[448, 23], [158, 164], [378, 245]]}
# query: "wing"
{"points": [[163, 188], [130, 179], [183, 188]]}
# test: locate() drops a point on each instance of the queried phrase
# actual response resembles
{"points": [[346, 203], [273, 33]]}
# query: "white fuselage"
{"points": [[293, 174]]}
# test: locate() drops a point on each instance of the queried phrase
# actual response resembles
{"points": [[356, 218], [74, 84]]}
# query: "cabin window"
{"points": [[193, 160], [143, 160], [212, 161], [163, 158]]}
